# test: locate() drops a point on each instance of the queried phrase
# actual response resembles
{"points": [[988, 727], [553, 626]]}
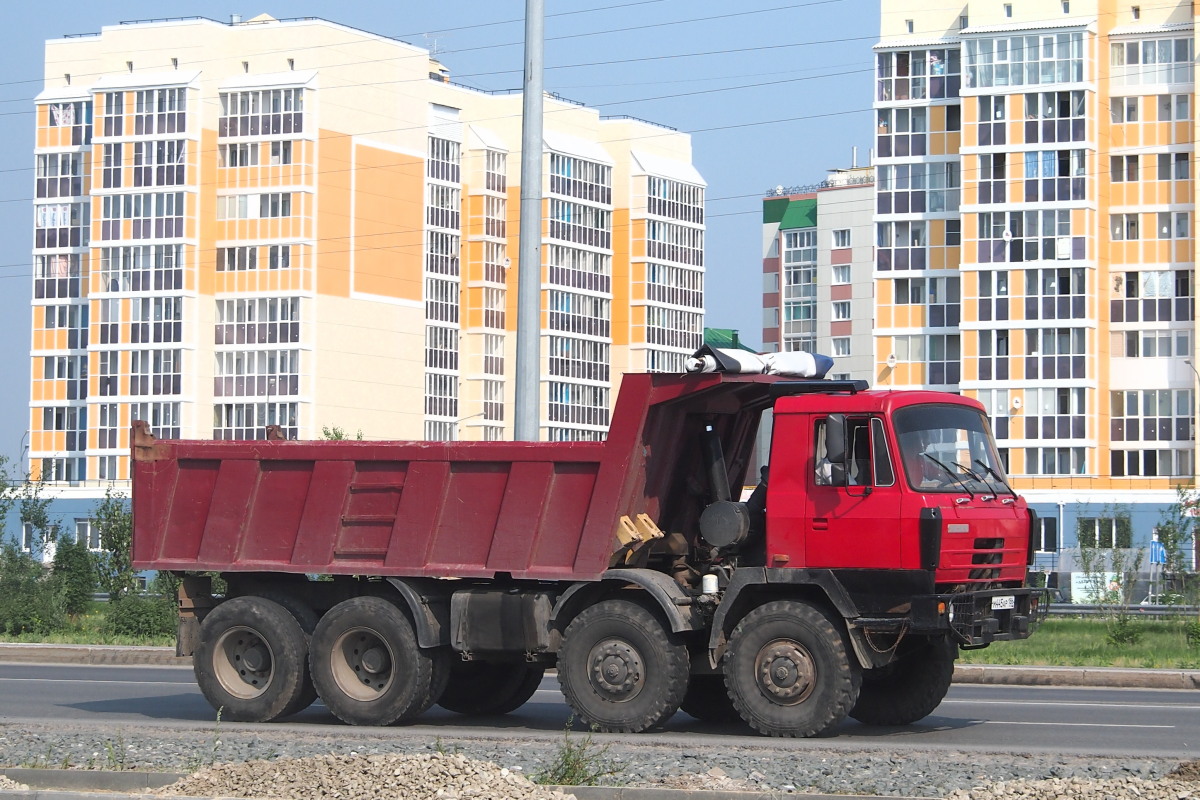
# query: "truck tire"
{"points": [[367, 667], [307, 619], [908, 689], [250, 662], [789, 670], [480, 688], [708, 700], [620, 669]]}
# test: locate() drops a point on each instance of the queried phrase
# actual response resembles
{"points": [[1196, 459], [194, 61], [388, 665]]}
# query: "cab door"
{"points": [[854, 518]]}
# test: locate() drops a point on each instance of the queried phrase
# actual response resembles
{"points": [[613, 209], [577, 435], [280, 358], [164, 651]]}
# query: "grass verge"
{"points": [[1060, 642]]}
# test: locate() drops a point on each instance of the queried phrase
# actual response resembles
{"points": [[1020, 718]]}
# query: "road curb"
{"points": [[116, 655], [1109, 677], [67, 784]]}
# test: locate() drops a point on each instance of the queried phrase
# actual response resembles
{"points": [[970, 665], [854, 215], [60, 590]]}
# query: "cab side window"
{"points": [[885, 475]]}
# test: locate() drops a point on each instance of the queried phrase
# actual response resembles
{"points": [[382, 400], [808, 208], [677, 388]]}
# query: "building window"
{"points": [[900, 245], [1162, 416], [841, 310], [901, 132], [1123, 169], [1153, 296], [1056, 353], [841, 238], [674, 200], [1055, 175], [993, 184], [237, 155], [841, 274], [1104, 532], [1174, 107], [61, 174], [1055, 460], [443, 163], [250, 420], [1124, 227], [908, 25], [1008, 9], [1055, 293], [1024, 60], [1151, 61], [262, 320], [441, 348], [163, 418], [580, 178], [262, 112], [61, 224], [160, 111], [1056, 116], [841, 346], [1174, 166], [1123, 109], [87, 534]]}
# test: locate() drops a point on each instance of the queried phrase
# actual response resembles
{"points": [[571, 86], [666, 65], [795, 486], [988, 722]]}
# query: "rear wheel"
{"points": [[707, 699], [789, 670], [620, 669], [489, 687], [250, 663], [367, 667], [307, 619], [909, 688]]}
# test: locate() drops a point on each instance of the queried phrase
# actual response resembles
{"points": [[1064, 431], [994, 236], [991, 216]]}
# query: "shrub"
{"points": [[1123, 631], [1192, 632], [75, 574], [29, 599], [139, 616]]}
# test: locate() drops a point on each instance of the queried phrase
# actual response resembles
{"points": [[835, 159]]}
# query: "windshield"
{"points": [[948, 448]]}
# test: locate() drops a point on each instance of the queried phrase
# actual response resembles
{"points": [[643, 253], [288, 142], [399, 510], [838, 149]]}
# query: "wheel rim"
{"points": [[785, 672], [243, 662], [615, 670], [361, 662]]}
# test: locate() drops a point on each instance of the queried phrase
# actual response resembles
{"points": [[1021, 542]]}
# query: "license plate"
{"points": [[1004, 603]]}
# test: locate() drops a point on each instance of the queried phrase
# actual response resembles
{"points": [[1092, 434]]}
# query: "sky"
{"points": [[772, 92]]}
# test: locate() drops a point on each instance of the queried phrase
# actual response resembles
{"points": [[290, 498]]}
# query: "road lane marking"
{"points": [[1180, 706], [1072, 724], [81, 680]]}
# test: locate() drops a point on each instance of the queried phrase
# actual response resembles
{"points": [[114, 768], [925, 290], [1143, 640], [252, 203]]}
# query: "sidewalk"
{"points": [[963, 673]]}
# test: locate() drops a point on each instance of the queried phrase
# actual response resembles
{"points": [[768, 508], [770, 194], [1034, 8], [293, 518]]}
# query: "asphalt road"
{"points": [[1044, 719]]}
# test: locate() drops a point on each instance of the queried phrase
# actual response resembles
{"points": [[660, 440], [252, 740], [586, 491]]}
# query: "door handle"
{"points": [[820, 524]]}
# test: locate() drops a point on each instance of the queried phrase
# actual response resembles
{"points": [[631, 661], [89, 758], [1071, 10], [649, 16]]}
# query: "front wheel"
{"points": [[620, 669], [909, 688], [789, 670], [367, 667], [250, 660]]}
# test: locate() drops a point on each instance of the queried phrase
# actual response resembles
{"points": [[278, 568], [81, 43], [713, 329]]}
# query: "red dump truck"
{"points": [[385, 577]]}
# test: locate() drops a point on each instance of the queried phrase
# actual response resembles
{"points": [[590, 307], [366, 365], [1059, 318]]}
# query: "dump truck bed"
{"points": [[529, 510]]}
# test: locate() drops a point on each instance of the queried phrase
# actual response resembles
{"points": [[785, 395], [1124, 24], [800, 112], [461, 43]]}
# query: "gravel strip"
{"points": [[7, 785], [759, 765]]}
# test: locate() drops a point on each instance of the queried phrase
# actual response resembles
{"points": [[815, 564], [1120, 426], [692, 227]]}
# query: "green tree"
{"points": [[114, 522], [75, 573], [1106, 549], [1176, 530], [337, 433], [29, 600], [33, 509]]}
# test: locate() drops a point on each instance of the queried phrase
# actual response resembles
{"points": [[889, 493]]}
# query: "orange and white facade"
{"points": [[304, 224], [1036, 246]]}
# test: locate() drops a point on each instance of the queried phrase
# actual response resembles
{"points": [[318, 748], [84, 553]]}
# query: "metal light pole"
{"points": [[529, 275]]}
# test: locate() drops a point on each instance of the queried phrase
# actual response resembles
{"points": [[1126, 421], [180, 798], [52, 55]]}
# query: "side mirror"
{"points": [[835, 448]]}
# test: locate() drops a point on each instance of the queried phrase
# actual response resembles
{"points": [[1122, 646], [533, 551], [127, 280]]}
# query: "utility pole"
{"points": [[529, 259]]}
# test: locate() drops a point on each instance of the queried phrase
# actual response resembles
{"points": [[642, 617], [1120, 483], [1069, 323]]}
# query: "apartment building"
{"points": [[1035, 243], [297, 223], [818, 245]]}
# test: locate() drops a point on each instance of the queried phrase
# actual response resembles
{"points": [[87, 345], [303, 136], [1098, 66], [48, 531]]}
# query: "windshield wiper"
{"points": [[950, 472], [994, 474]]}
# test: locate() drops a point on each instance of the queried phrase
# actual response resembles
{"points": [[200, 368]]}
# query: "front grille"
{"points": [[987, 551]]}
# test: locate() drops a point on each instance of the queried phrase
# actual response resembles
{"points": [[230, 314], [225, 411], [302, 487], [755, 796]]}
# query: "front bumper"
{"points": [[976, 619]]}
